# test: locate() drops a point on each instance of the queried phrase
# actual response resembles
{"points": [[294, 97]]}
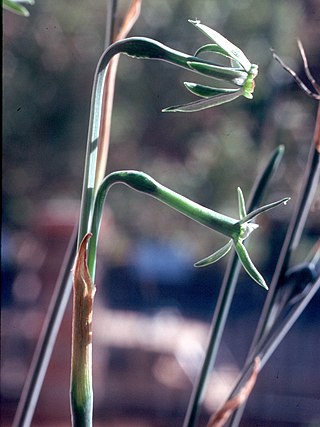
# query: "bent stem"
{"points": [[145, 48], [237, 230], [81, 392], [137, 47]]}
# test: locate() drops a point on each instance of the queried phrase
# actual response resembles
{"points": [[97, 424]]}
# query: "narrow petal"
{"points": [[265, 208], [207, 91], [233, 51], [214, 48], [216, 256], [203, 104], [229, 74], [248, 264], [14, 7], [241, 204]]}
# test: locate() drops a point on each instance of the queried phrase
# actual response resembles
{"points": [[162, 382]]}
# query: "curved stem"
{"points": [[143, 48], [142, 182]]}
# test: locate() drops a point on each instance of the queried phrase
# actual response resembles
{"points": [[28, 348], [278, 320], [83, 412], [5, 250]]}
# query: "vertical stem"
{"points": [[296, 225], [42, 354], [297, 222], [96, 159], [225, 298], [217, 327]]}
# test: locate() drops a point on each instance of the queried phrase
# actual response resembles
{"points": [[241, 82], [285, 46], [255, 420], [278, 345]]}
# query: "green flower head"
{"points": [[240, 73], [237, 230]]}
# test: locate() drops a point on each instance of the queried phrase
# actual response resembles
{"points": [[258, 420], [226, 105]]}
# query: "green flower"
{"points": [[246, 227], [236, 230], [241, 73]]}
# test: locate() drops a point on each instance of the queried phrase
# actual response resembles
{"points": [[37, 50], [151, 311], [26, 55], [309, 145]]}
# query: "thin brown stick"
{"points": [[296, 77], [108, 95], [223, 414], [312, 80]]}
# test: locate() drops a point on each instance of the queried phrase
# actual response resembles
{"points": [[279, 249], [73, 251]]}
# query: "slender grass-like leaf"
{"points": [[225, 297], [297, 222]]}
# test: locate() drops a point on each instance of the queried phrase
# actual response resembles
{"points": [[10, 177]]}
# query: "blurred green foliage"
{"points": [[49, 61]]}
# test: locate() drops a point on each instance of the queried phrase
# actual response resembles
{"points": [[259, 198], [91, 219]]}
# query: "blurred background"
{"points": [[152, 309]]}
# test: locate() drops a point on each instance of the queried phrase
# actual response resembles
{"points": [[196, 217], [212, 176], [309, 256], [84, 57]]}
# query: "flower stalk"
{"points": [[236, 230], [239, 75], [143, 48]]}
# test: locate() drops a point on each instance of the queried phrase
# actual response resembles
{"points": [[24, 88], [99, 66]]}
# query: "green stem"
{"points": [[143, 48], [225, 299], [293, 235], [144, 183], [270, 343]]}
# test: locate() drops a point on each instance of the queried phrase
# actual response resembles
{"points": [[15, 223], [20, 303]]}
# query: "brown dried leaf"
{"points": [[81, 359], [83, 296]]}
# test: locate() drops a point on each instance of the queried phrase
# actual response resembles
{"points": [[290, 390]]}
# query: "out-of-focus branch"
{"points": [[314, 95], [223, 414]]}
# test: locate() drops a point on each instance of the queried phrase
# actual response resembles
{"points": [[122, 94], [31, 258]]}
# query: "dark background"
{"points": [[153, 308]]}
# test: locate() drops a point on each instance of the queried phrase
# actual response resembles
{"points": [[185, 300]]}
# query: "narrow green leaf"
{"points": [[203, 104], [216, 256], [207, 91], [248, 264], [232, 50], [241, 204]]}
